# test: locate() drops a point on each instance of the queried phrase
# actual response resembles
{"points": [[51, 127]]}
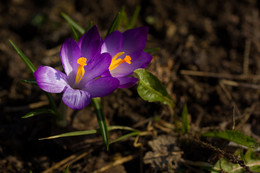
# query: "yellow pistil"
{"points": [[80, 71], [116, 62]]}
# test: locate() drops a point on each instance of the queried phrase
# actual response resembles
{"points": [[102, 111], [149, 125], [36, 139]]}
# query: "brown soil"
{"points": [[208, 59]]}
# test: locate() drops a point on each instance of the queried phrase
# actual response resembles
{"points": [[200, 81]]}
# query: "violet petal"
{"points": [[139, 60], [96, 67], [50, 79], [90, 44], [134, 39], [69, 54], [75, 98], [112, 43], [127, 82], [102, 86]]}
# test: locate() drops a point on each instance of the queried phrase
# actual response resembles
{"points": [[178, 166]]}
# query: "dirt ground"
{"points": [[208, 59]]}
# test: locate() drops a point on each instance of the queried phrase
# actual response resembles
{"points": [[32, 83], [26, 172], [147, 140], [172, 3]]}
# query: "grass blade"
{"points": [[185, 120], [134, 18], [69, 134], [135, 133], [89, 25], [30, 65], [87, 132], [76, 35], [30, 81], [151, 50], [115, 24], [73, 23], [67, 169], [38, 112], [120, 128], [26, 60], [101, 120], [124, 16]]}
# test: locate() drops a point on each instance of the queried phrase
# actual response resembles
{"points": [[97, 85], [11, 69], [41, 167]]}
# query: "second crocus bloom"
{"points": [[127, 52]]}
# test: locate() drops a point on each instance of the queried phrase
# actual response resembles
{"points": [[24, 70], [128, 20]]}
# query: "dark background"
{"points": [[220, 38]]}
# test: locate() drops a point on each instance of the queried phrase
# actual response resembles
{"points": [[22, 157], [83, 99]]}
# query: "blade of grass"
{"points": [[185, 120], [76, 35], [30, 65], [101, 120], [26, 60], [73, 23], [89, 25], [30, 81], [38, 112], [69, 134], [67, 169], [124, 16], [120, 128], [87, 132], [115, 24], [151, 50], [134, 18], [126, 136]]}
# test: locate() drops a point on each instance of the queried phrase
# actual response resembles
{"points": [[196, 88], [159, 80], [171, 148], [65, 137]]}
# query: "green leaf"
{"points": [[90, 24], [38, 112], [151, 50], [30, 65], [151, 89], [120, 128], [185, 119], [101, 120], [76, 35], [234, 136], [73, 23], [69, 134], [115, 24], [249, 157], [252, 160], [134, 18], [30, 81], [26, 60], [124, 16], [67, 169], [88, 132], [135, 133]]}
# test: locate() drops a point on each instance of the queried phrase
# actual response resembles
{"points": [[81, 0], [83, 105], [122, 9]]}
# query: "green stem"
{"points": [[61, 115], [101, 120]]}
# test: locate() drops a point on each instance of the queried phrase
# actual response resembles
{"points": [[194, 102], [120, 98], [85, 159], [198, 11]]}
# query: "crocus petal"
{"points": [[139, 60], [127, 82], [50, 79], [75, 98], [106, 73], [102, 86], [96, 67], [134, 39], [112, 43], [90, 44], [69, 54]]}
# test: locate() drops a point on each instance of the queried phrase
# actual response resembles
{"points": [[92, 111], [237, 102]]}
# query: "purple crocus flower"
{"points": [[127, 50], [83, 65]]}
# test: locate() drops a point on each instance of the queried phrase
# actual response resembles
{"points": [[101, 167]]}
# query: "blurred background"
{"points": [[221, 39]]}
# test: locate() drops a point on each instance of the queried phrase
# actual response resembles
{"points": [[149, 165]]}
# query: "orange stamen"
{"points": [[116, 62], [80, 71]]}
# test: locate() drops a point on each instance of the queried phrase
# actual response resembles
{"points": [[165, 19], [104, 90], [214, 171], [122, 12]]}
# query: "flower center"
{"points": [[116, 62], [80, 71]]}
